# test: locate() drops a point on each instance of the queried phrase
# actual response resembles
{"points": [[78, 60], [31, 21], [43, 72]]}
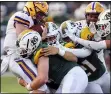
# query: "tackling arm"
{"points": [[20, 28], [81, 53], [70, 56], [51, 50], [94, 45], [108, 43]]}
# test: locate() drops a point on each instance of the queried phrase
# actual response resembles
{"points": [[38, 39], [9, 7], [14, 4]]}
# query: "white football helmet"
{"points": [[69, 28], [52, 33], [103, 24], [27, 43]]}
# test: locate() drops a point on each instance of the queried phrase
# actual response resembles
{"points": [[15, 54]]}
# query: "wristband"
{"points": [[28, 87], [61, 52]]}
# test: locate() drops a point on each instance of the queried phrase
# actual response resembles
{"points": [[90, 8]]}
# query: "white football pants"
{"points": [[101, 85], [75, 81]]}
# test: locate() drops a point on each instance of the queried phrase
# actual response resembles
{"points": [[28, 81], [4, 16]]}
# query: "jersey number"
{"points": [[89, 65]]}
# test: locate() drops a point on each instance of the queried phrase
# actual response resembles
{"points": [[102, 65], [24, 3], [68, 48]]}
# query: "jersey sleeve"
{"points": [[81, 53], [22, 18], [38, 53]]}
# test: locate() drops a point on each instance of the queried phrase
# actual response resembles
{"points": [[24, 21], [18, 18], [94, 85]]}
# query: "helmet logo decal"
{"points": [[107, 16], [34, 40]]}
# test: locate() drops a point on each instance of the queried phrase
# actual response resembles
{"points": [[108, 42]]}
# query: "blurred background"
{"points": [[58, 12]]}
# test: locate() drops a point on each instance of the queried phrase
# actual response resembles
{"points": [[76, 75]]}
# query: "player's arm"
{"points": [[19, 28], [80, 52], [108, 44], [21, 22], [42, 77], [51, 50], [105, 44], [67, 53]]}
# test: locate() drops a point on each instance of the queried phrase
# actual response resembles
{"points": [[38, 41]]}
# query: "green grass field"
{"points": [[10, 85]]}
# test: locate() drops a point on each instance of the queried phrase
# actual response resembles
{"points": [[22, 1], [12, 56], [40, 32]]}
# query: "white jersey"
{"points": [[81, 23], [11, 37]]}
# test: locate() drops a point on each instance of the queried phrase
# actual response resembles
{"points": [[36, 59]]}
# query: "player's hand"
{"points": [[44, 34], [50, 50], [22, 82]]}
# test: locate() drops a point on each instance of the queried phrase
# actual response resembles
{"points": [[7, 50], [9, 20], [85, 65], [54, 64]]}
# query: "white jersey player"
{"points": [[32, 14], [103, 31]]}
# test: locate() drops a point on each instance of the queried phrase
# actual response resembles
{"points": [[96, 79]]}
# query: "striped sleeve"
{"points": [[22, 18]]}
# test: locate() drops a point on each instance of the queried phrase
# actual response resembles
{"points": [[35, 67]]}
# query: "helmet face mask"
{"points": [[52, 33], [40, 17], [92, 17], [103, 29], [51, 40], [104, 23]]}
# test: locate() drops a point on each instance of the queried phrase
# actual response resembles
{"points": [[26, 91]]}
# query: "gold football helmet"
{"points": [[92, 11], [37, 10], [94, 7]]}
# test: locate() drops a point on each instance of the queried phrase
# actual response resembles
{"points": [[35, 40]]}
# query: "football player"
{"points": [[33, 14], [92, 12], [103, 31], [60, 70]]}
